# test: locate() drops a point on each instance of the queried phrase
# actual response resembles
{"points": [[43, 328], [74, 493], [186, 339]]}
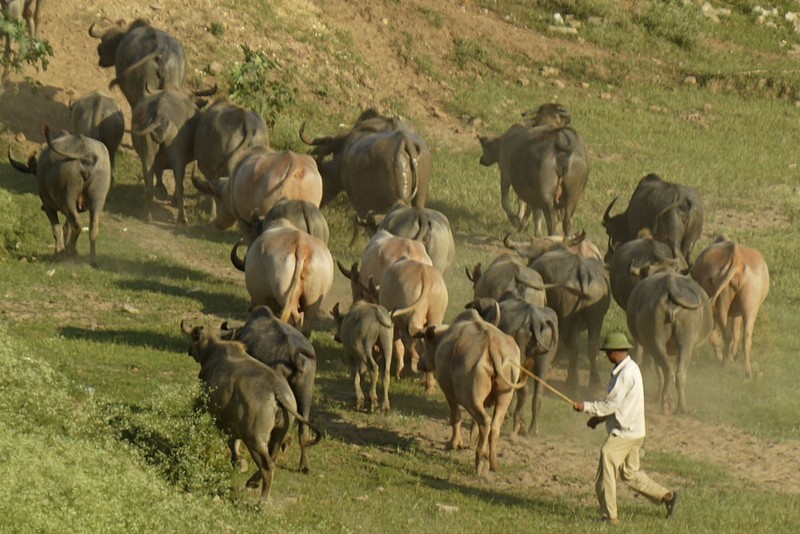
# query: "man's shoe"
{"points": [[672, 504]]}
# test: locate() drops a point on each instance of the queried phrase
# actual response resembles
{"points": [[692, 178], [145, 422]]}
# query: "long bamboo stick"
{"points": [[545, 384]]}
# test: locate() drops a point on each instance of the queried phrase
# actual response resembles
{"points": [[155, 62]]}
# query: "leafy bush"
{"points": [[25, 49], [262, 84]]}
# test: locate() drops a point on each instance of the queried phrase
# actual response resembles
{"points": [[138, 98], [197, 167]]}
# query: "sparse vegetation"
{"points": [[261, 83], [25, 50]]}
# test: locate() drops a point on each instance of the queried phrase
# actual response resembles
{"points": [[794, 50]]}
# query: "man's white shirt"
{"points": [[624, 402]]}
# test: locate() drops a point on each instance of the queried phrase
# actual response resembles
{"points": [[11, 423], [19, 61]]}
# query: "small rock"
{"points": [[559, 84], [214, 68], [585, 85], [523, 82], [566, 30], [129, 308], [549, 72], [51, 272], [20, 137], [605, 96], [362, 498], [690, 80], [446, 508]]}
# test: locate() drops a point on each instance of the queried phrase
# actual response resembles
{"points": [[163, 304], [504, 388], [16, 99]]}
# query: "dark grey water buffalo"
{"points": [[288, 270], [282, 347], [639, 252], [73, 175], [508, 274], [477, 366], [365, 331], [672, 212], [736, 278], [379, 161], [546, 165], [249, 399], [669, 313], [146, 59], [427, 225], [579, 294], [163, 127], [100, 117], [302, 214], [260, 179], [225, 131], [535, 329]]}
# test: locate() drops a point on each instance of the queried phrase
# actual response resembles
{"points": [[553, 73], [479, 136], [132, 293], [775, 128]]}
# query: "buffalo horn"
{"points": [[607, 214], [235, 259], [310, 140], [19, 165], [93, 32], [348, 274], [184, 328]]}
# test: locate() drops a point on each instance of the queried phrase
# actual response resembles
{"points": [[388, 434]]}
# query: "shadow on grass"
{"points": [[154, 268], [216, 303], [137, 338]]}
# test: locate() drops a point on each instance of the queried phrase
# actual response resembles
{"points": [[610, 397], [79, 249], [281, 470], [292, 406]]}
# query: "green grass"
{"points": [[97, 393]]}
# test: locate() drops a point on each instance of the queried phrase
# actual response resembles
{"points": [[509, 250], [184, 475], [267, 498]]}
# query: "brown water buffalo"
{"points": [[427, 225], [98, 116], [288, 270], [673, 213], [383, 250], [578, 291], [536, 246], [379, 161], [73, 175], [261, 178], [163, 127], [477, 366], [145, 58], [282, 347], [546, 165], [508, 273], [416, 296], [249, 399], [535, 330], [736, 279], [365, 331], [669, 313]]}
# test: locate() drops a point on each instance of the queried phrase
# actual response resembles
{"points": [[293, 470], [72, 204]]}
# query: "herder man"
{"points": [[623, 412]]}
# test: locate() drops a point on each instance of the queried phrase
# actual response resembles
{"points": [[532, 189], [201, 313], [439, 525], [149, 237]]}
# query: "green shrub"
{"points": [[262, 84], [25, 49]]}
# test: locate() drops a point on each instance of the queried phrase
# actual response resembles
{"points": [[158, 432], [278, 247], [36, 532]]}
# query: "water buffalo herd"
{"points": [[529, 304]]}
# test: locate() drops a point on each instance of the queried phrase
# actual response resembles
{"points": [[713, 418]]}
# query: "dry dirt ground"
{"points": [[549, 462]]}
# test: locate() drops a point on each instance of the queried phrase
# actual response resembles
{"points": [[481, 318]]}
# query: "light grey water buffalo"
{"points": [[669, 313], [477, 366], [100, 117], [163, 127], [673, 213], [416, 296], [427, 225], [249, 399], [302, 214], [508, 273], [260, 179], [535, 330], [736, 278], [637, 253], [73, 175], [379, 161], [288, 270], [225, 131], [383, 250], [145, 58], [365, 331], [546, 165], [279, 345], [578, 292]]}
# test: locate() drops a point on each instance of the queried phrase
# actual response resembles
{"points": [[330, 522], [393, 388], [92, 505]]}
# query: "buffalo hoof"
{"points": [[254, 481], [359, 404], [161, 192]]}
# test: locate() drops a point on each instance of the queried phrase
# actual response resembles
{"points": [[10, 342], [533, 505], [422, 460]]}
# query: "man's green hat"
{"points": [[616, 341]]}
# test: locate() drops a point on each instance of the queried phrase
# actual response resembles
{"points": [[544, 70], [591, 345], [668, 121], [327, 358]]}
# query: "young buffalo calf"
{"points": [[364, 330]]}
